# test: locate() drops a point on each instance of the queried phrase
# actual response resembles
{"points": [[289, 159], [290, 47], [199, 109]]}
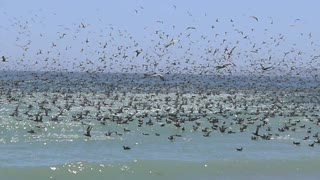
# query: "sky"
{"points": [[103, 36]]}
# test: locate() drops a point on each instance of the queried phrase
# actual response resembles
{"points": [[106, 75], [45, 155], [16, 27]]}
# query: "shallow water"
{"points": [[59, 150]]}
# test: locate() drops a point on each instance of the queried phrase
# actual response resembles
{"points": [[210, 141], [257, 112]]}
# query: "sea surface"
{"points": [[174, 128]]}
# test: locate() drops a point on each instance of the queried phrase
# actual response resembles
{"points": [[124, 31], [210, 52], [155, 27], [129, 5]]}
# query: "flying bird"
{"points": [[172, 42], [223, 66], [154, 75], [89, 128], [254, 17], [190, 28], [265, 68], [138, 52]]}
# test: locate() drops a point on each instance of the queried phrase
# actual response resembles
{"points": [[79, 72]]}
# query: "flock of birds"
{"points": [[223, 47], [261, 115], [164, 55]]}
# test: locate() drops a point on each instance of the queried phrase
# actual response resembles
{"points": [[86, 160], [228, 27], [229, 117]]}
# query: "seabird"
{"points": [[172, 42], [138, 52], [223, 66], [207, 134], [296, 143], [154, 75], [311, 145], [190, 28], [171, 138], [254, 17], [31, 131], [265, 68], [257, 131], [108, 133], [4, 59], [89, 128], [126, 148]]}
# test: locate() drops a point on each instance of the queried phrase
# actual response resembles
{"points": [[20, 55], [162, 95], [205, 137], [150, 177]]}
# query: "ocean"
{"points": [[185, 127]]}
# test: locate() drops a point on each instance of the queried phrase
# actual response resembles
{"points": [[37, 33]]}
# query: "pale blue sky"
{"points": [[43, 22]]}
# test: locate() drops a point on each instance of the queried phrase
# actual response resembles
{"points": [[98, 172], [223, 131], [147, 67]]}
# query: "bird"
{"points": [[171, 138], [254, 17], [89, 128], [296, 143], [161, 55], [256, 133], [207, 134], [239, 149], [311, 145], [31, 131], [126, 148], [138, 52], [265, 68], [172, 42], [190, 28], [154, 75], [222, 66], [4, 59]]}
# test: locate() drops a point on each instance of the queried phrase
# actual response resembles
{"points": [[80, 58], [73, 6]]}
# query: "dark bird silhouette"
{"points": [[138, 52], [31, 131], [255, 18], [89, 128], [223, 66], [4, 59], [257, 131], [265, 68], [296, 143], [171, 138]]}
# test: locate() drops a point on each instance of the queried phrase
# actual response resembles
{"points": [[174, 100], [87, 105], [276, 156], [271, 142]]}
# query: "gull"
{"points": [[265, 68], [154, 75], [83, 25], [172, 42], [254, 17], [160, 55], [24, 46], [190, 28], [223, 66]]}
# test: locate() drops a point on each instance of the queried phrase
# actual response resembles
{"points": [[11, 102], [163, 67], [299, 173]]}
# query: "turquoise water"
{"points": [[58, 148]]}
